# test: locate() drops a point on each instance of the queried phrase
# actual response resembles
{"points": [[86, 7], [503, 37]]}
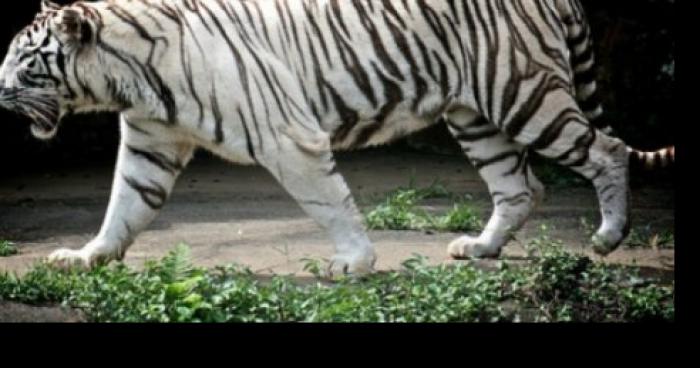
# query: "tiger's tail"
{"points": [[661, 159], [583, 63]]}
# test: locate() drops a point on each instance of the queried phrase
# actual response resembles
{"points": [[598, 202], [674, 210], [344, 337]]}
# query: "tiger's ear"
{"points": [[72, 27], [47, 5]]}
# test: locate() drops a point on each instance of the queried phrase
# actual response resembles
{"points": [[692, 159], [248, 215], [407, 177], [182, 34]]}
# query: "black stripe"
{"points": [[158, 159], [154, 195]]}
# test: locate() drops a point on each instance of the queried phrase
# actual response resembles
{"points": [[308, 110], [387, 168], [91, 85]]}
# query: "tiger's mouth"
{"points": [[40, 105]]}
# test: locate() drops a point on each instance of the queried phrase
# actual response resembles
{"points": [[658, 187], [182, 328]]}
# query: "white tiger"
{"points": [[284, 83]]}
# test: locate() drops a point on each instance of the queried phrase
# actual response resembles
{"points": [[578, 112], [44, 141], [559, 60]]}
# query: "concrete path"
{"points": [[232, 214]]}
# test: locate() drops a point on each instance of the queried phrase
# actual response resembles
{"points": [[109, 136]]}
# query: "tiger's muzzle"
{"points": [[40, 105]]}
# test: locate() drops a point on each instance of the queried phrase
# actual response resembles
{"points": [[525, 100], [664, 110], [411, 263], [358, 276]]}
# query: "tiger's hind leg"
{"points": [[559, 130], [306, 168], [504, 167]]}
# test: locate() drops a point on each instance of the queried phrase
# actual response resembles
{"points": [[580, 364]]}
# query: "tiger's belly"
{"points": [[370, 127], [370, 133]]}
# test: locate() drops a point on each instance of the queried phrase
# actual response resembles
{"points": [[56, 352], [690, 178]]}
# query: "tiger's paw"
{"points": [[68, 259], [467, 247], [353, 265], [84, 259], [605, 243]]}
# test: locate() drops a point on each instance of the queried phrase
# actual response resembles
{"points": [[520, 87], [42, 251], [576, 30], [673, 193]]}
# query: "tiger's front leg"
{"points": [[149, 162]]}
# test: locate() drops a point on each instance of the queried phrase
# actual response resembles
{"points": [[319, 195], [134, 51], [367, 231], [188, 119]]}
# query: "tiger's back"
{"points": [[368, 72]]}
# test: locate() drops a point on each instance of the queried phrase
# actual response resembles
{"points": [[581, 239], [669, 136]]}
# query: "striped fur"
{"points": [[285, 83]]}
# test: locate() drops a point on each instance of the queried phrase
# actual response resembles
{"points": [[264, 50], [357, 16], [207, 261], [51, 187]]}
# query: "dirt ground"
{"points": [[233, 214]]}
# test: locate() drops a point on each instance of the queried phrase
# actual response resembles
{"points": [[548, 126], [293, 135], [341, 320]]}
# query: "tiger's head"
{"points": [[38, 73]]}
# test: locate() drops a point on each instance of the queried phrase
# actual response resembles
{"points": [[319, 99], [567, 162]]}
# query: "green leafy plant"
{"points": [[555, 287], [313, 266], [402, 210], [646, 237], [565, 287], [8, 249]]}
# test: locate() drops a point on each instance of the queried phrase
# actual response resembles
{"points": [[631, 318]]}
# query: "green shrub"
{"points": [[565, 287], [7, 249], [401, 211], [556, 287]]}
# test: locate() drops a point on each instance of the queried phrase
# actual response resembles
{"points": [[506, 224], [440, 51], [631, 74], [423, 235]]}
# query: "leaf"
{"points": [[176, 265]]}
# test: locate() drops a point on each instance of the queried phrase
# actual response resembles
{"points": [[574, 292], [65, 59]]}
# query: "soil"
{"points": [[233, 214], [20, 313]]}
